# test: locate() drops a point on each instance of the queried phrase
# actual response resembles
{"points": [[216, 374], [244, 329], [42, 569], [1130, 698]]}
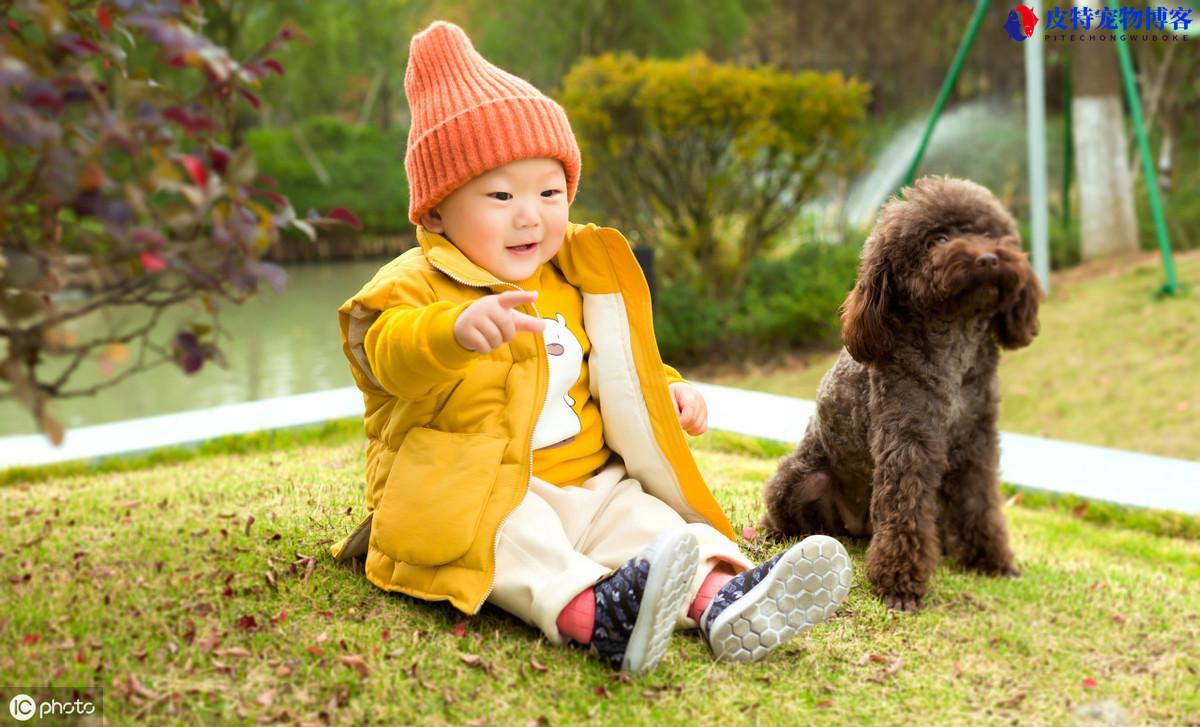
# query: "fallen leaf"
{"points": [[601, 691], [357, 663], [1012, 701], [1118, 618], [266, 698], [233, 651], [825, 704], [134, 686], [471, 659], [895, 667], [537, 665], [249, 522], [460, 629], [316, 651], [1089, 683], [283, 671], [280, 618], [247, 622], [749, 533], [867, 658]]}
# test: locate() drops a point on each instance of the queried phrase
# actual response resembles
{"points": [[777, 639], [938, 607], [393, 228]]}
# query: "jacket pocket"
{"points": [[435, 495]]}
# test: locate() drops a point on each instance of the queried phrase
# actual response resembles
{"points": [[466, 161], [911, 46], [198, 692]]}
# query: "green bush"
{"points": [[709, 162], [365, 168], [787, 303]]}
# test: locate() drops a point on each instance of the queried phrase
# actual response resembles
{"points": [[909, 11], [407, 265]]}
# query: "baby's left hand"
{"points": [[693, 412]]}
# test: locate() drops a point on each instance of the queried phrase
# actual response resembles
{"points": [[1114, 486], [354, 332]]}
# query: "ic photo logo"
{"points": [[23, 708]]}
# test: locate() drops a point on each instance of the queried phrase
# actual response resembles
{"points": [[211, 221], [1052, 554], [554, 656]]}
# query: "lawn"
{"points": [[201, 590], [1114, 364]]}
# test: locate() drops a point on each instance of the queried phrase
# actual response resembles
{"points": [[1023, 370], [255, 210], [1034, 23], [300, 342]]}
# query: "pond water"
{"points": [[278, 344]]}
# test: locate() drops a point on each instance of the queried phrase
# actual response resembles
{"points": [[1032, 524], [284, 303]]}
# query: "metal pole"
{"points": [[1170, 287], [947, 86], [1035, 125]]}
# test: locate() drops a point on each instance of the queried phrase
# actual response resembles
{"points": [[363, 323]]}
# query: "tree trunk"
{"points": [[1108, 223]]}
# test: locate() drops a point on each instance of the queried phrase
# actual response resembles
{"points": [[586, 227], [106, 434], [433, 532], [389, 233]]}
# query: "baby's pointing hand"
{"points": [[491, 322]]}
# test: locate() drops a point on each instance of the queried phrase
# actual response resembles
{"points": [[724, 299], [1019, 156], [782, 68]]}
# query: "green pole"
{"points": [[1156, 209], [947, 86], [1068, 148]]}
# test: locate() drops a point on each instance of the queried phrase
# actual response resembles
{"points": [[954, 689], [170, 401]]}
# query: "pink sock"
{"points": [[577, 618], [713, 582]]}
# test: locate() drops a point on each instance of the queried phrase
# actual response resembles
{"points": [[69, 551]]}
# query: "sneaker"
{"points": [[765, 606], [637, 606]]}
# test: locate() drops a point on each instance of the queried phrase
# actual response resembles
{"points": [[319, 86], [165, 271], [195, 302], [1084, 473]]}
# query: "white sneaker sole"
{"points": [[674, 557], [804, 588]]}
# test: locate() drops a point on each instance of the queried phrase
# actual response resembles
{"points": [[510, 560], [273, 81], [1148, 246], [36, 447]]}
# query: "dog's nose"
{"points": [[987, 259]]}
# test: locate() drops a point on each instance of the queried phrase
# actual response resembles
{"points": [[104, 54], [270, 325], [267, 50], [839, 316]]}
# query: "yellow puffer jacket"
{"points": [[448, 454]]}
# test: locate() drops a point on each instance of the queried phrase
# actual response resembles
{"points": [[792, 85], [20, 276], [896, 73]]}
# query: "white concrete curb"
{"points": [[1129, 478]]}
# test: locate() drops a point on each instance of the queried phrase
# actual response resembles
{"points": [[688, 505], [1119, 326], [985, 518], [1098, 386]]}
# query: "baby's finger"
{"points": [[510, 299], [523, 322], [474, 341], [505, 323], [491, 332]]}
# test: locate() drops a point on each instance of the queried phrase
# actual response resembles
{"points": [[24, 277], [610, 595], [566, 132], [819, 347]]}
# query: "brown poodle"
{"points": [[903, 447]]}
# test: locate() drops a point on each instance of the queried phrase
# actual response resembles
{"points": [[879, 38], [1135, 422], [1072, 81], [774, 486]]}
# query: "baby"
{"points": [[526, 440]]}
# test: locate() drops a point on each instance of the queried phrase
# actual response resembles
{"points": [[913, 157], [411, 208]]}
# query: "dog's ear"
{"points": [[867, 313], [1017, 325]]}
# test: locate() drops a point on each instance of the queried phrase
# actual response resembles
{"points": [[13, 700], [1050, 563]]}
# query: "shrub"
{"points": [[788, 303], [707, 162]]}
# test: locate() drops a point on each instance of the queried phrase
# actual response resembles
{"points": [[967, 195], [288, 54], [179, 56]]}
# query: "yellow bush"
{"points": [[709, 162]]}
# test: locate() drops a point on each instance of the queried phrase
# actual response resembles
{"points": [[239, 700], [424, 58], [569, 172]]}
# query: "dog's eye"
{"points": [[939, 238]]}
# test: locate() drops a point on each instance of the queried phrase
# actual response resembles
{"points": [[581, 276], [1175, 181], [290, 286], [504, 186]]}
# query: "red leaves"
{"points": [[30, 639], [195, 169], [254, 100], [152, 262], [749, 533], [460, 629], [1089, 683], [247, 623], [104, 16], [342, 214]]}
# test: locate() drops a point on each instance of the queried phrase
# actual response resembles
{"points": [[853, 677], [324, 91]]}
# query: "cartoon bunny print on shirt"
{"points": [[558, 423]]}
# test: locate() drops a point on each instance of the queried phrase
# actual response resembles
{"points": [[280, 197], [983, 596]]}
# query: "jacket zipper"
{"points": [[528, 445]]}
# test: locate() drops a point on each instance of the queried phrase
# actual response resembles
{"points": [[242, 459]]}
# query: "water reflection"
{"points": [[279, 344]]}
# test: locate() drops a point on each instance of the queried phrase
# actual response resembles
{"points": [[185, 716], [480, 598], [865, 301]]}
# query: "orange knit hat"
{"points": [[468, 117]]}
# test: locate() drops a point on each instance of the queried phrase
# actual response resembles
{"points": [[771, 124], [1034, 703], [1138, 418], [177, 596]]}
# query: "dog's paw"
{"points": [[905, 602]]}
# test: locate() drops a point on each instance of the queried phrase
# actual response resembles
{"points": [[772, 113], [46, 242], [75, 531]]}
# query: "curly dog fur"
{"points": [[903, 447]]}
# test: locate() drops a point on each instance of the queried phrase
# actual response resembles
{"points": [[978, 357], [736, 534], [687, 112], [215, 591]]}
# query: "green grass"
{"points": [[145, 581], [1115, 365]]}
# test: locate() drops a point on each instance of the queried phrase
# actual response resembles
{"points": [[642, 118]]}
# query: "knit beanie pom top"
{"points": [[469, 117]]}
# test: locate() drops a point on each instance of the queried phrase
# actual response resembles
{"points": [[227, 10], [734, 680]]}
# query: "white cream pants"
{"points": [[559, 541]]}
